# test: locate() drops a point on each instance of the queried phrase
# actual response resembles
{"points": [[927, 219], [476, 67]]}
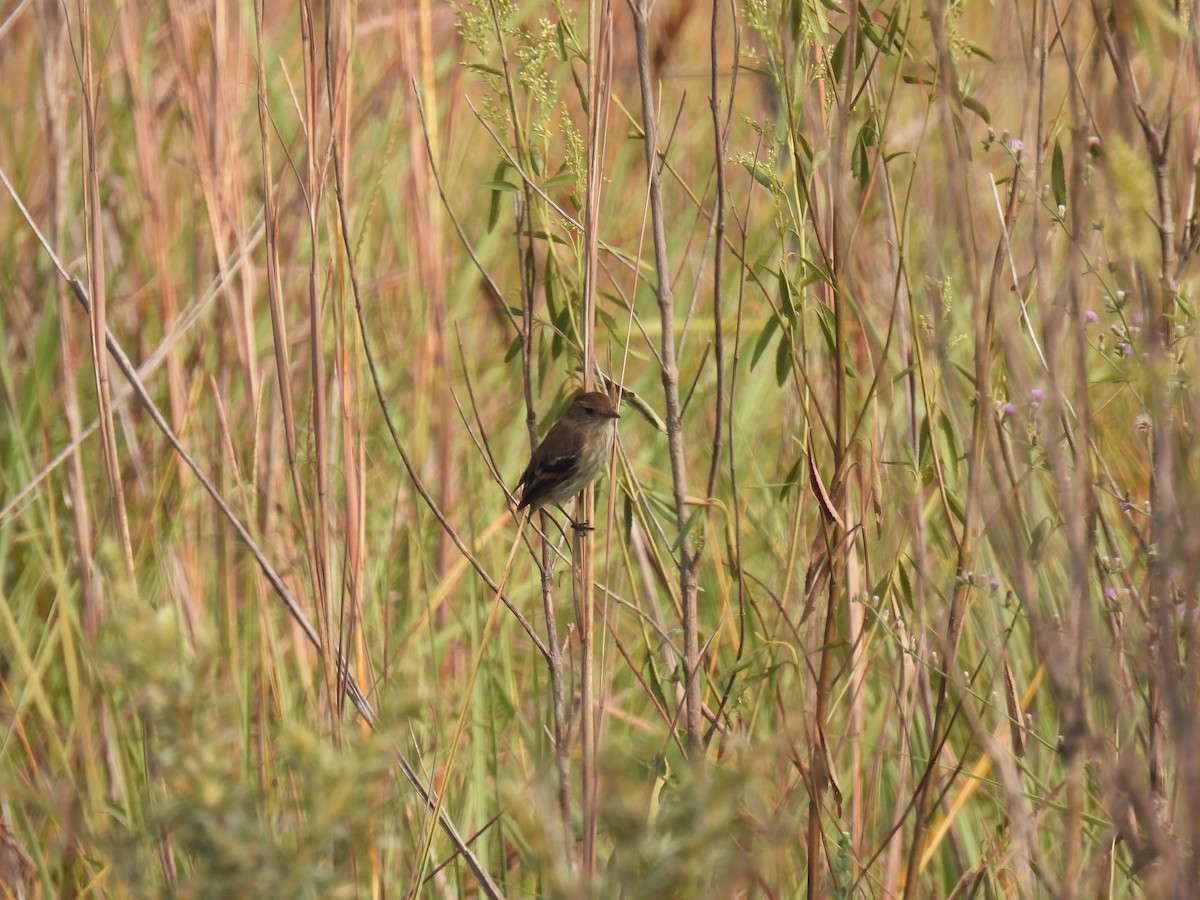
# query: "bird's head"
{"points": [[592, 409]]}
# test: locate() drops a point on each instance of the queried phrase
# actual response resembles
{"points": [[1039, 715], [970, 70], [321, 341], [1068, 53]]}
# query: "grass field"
{"points": [[893, 586]]}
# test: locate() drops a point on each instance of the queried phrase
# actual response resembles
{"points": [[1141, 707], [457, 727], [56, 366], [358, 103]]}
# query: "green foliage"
{"points": [[291, 824]]}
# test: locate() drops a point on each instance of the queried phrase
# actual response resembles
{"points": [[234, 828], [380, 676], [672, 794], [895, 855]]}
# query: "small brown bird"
{"points": [[571, 455]]}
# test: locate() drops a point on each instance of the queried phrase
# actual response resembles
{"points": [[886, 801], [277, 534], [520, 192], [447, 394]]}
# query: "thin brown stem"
{"points": [[670, 381]]}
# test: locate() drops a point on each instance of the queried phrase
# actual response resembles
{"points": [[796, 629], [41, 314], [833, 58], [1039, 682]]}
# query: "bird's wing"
{"points": [[558, 465], [541, 475], [545, 465]]}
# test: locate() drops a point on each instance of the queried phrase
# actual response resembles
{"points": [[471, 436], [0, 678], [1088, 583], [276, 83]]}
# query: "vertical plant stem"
{"points": [[835, 526], [314, 189], [98, 291], [562, 735], [599, 74], [348, 365], [670, 382], [52, 28], [720, 147]]}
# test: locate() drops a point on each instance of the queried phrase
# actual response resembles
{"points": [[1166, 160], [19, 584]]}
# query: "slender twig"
{"points": [[720, 150], [738, 573], [314, 179], [600, 62], [670, 380], [98, 311]]}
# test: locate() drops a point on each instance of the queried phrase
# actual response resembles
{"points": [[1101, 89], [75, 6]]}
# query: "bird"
{"points": [[571, 456]]}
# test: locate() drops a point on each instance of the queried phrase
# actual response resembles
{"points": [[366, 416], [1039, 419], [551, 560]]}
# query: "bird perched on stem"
{"points": [[571, 455]]}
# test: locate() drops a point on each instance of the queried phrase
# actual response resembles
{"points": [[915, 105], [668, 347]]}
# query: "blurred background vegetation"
{"points": [[931, 278]]}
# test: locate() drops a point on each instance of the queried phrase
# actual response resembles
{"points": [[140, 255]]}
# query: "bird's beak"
{"points": [[614, 415]]}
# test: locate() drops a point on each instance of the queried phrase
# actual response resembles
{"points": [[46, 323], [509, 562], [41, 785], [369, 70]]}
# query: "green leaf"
{"points": [[686, 529], [906, 590], [486, 70], [655, 683], [561, 40], [543, 235], [561, 322], [607, 320], [513, 349], [825, 318], [868, 134], [975, 105], [760, 174], [783, 360], [796, 19], [493, 211], [806, 147], [947, 428], [880, 590], [891, 34], [764, 338], [975, 49], [560, 179], [859, 163], [643, 264], [813, 273], [956, 508], [551, 284], [787, 297], [494, 205], [790, 479], [839, 54], [873, 33], [746, 664], [1058, 175], [543, 359]]}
